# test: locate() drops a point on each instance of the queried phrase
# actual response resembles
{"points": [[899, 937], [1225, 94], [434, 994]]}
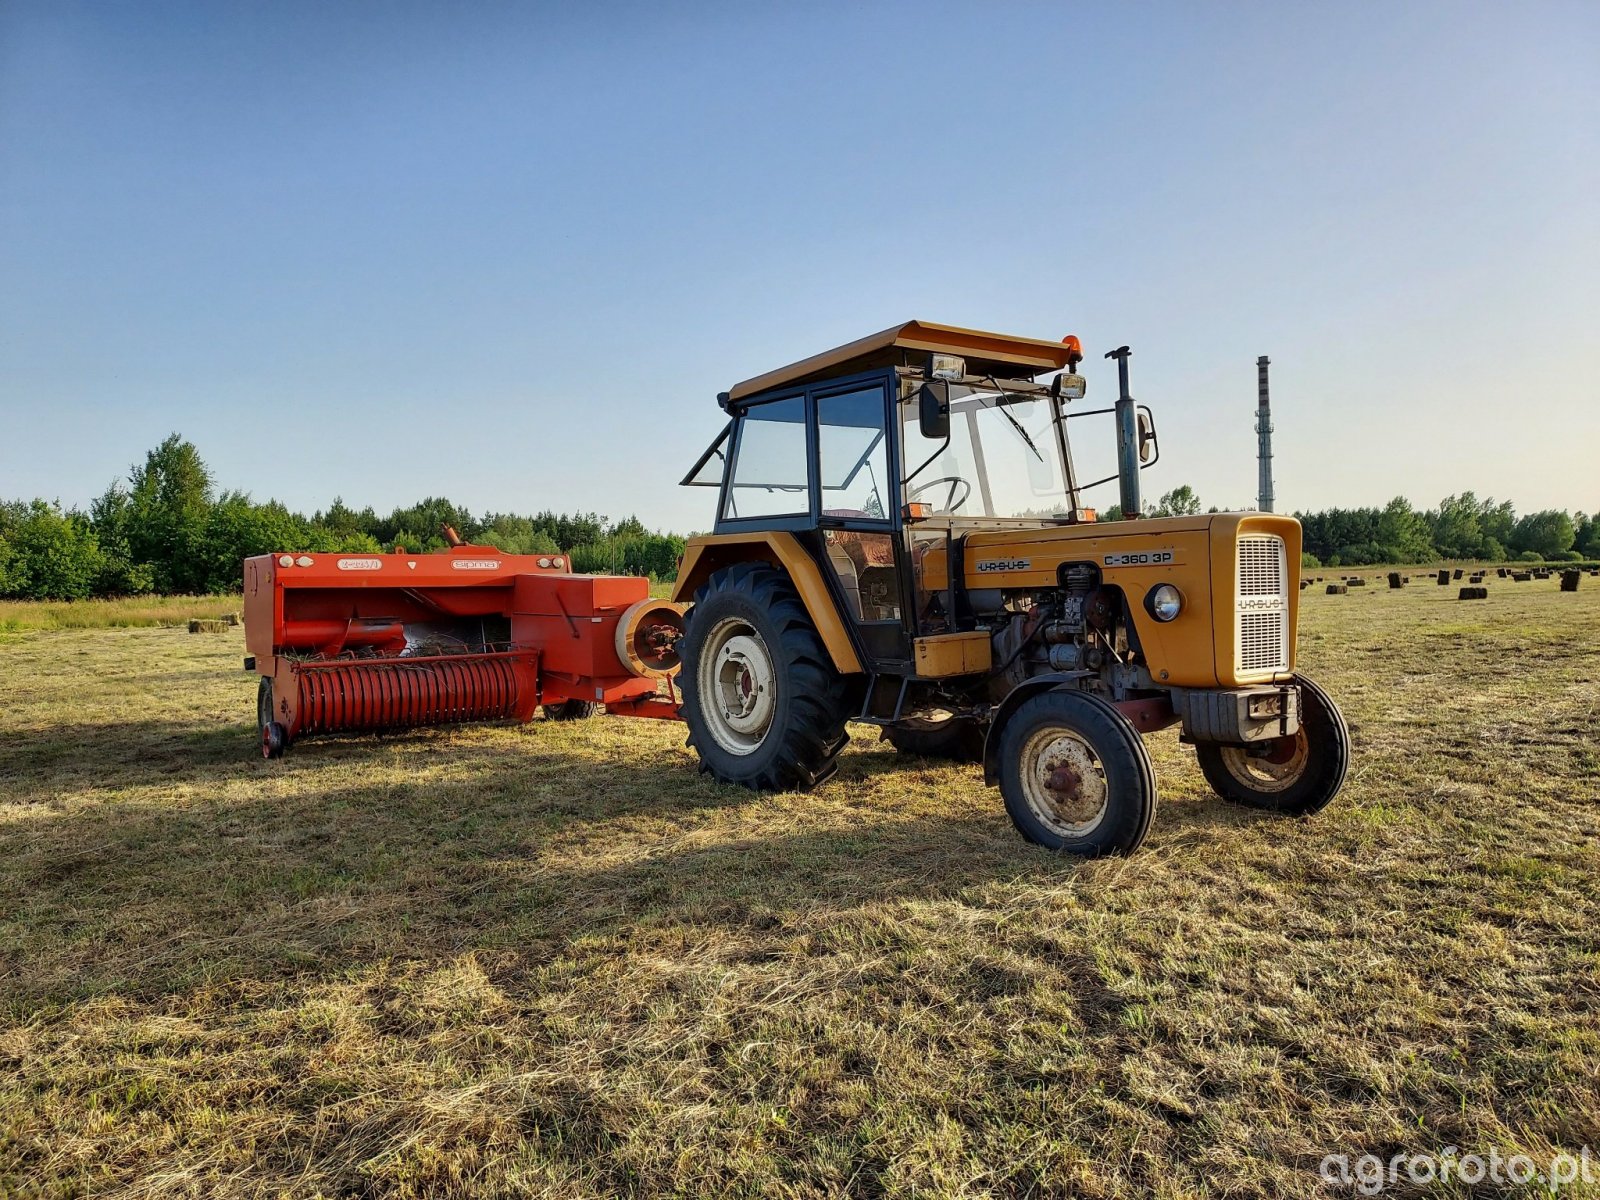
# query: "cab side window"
{"points": [[769, 463], [853, 455]]}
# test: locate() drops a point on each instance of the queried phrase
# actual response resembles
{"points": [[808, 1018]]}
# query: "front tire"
{"points": [[765, 707], [1076, 776], [1298, 775]]}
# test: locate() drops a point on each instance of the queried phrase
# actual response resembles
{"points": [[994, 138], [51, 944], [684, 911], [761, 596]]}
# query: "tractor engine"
{"points": [[1072, 628]]}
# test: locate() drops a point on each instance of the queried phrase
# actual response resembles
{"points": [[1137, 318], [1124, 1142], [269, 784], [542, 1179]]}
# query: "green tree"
{"points": [[1549, 533], [169, 504], [1179, 502], [1403, 532], [51, 555]]}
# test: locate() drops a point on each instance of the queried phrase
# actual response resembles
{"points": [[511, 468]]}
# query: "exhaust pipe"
{"points": [[1127, 439]]}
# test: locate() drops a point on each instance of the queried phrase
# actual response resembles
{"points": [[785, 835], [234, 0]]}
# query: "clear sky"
{"points": [[509, 253]]}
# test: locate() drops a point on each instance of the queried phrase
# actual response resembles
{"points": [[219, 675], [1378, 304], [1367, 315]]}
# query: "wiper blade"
{"points": [[1015, 424]]}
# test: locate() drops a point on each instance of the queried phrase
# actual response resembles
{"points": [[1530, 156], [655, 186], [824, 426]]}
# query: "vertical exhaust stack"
{"points": [[1263, 436]]}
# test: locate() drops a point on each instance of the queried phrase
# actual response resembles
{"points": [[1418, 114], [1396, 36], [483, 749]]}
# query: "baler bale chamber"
{"points": [[367, 642]]}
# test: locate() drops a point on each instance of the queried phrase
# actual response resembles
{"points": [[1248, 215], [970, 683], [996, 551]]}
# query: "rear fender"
{"points": [[705, 556]]}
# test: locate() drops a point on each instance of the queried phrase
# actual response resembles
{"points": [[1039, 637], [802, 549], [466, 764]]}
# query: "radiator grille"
{"points": [[1262, 606]]}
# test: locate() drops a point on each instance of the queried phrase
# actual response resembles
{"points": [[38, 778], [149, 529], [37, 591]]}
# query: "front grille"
{"points": [[1261, 632]]}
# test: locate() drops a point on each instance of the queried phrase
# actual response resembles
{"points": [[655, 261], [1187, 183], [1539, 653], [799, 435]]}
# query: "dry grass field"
{"points": [[555, 960]]}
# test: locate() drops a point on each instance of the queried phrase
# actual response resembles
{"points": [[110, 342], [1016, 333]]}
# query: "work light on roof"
{"points": [[948, 366]]}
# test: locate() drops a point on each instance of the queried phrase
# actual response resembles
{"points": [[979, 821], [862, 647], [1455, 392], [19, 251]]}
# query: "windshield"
{"points": [[1002, 460]]}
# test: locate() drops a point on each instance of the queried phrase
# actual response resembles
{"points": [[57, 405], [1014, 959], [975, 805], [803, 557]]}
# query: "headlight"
{"points": [[1164, 602]]}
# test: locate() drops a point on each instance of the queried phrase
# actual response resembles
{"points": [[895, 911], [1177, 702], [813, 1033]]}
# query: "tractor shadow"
{"points": [[166, 855]]}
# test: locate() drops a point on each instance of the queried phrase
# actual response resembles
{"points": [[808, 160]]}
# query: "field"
{"points": [[555, 960]]}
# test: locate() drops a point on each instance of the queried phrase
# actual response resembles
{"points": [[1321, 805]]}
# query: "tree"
{"points": [[169, 503], [1179, 502], [51, 555], [1549, 534], [1403, 532]]}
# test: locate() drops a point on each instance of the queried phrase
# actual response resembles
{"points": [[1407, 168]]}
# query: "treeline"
{"points": [[1462, 527], [166, 529]]}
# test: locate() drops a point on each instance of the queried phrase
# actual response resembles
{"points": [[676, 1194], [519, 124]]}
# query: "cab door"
{"points": [[858, 516]]}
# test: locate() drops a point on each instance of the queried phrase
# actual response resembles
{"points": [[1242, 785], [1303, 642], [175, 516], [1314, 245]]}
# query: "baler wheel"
{"points": [[764, 704], [263, 703], [274, 740], [569, 710]]}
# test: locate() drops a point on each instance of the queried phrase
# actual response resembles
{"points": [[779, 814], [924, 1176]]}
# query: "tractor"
{"points": [[901, 541]]}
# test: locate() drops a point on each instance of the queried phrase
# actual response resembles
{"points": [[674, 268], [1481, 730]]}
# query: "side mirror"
{"points": [[1149, 445], [933, 410]]}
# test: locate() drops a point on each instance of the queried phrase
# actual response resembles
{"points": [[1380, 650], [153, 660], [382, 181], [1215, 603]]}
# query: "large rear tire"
{"points": [[1295, 776], [959, 739], [764, 705], [1076, 776]]}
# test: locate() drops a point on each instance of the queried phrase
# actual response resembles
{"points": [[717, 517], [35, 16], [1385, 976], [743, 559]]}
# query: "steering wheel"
{"points": [[951, 503]]}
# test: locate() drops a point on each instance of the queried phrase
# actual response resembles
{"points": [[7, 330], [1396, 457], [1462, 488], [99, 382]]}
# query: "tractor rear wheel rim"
{"points": [[738, 686], [1064, 782], [1275, 773]]}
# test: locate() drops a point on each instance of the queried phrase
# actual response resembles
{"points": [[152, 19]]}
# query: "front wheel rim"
{"points": [[1064, 782], [738, 686], [1277, 772]]}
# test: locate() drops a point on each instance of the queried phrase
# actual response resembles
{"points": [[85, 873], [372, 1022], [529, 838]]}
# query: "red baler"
{"points": [[350, 642]]}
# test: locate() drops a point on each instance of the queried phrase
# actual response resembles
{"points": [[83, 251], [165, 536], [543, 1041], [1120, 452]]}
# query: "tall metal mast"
{"points": [[1263, 437]]}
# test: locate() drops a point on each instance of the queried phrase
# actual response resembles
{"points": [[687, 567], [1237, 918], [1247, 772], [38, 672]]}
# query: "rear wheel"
{"points": [[1296, 775], [1076, 776], [764, 705], [959, 739]]}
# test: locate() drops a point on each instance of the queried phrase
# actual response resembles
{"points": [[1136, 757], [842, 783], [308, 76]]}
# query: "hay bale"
{"points": [[1502, 572], [1444, 578], [1396, 580], [1569, 581], [1338, 589], [1520, 577], [1356, 581], [1473, 593], [1304, 584], [232, 619], [208, 625], [1458, 572]]}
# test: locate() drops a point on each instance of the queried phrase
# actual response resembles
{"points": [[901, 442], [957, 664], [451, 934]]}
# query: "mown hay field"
{"points": [[555, 960]]}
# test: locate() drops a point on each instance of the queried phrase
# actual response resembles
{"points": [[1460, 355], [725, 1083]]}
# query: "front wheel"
{"points": [[1075, 775], [1296, 775]]}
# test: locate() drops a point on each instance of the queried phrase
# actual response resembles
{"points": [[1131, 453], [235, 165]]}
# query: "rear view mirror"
{"points": [[1149, 446], [933, 410]]}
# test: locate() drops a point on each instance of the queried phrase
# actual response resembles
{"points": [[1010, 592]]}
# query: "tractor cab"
{"points": [[879, 455]]}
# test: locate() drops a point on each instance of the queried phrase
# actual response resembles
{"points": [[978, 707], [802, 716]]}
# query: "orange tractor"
{"points": [[900, 541]]}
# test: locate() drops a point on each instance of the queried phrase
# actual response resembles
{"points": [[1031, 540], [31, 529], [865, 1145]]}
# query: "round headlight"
{"points": [[555, 562], [545, 562], [1164, 602], [286, 560]]}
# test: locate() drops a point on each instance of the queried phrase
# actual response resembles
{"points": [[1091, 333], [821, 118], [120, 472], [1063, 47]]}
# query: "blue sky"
{"points": [[510, 253]]}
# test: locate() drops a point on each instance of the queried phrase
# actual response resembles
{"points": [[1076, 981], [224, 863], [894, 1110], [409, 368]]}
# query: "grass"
{"points": [[555, 960], [17, 615]]}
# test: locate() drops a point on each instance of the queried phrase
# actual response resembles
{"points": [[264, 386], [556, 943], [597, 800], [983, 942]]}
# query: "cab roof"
{"points": [[1000, 354]]}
